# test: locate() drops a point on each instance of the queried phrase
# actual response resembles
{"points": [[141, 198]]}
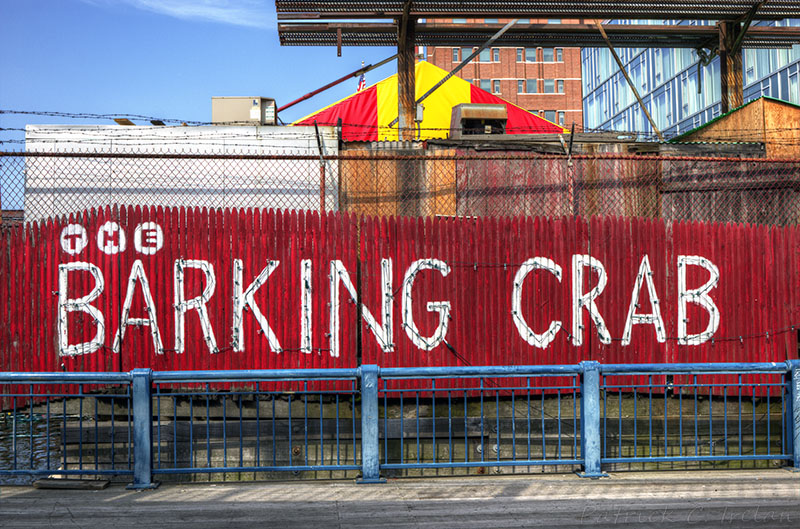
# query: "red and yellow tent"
{"points": [[366, 115]]}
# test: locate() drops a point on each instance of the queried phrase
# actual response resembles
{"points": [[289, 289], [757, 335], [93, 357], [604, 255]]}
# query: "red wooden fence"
{"points": [[414, 277]]}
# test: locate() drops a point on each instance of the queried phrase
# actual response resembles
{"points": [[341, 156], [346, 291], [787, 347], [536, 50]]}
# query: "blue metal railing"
{"points": [[374, 420]]}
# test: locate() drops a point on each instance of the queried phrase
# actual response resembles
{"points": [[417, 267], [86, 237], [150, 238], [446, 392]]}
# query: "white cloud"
{"points": [[250, 13]]}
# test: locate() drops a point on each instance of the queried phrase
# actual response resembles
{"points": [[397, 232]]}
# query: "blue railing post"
{"points": [[590, 420], [370, 442], [794, 415], [142, 431]]}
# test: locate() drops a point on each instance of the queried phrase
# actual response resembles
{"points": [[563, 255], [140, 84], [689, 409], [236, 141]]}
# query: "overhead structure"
{"points": [[313, 23], [529, 35], [368, 115], [603, 9]]}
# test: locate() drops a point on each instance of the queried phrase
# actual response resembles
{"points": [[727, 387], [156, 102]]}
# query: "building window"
{"points": [[560, 84], [455, 55], [561, 118], [550, 115], [523, 21], [496, 86], [548, 54], [530, 54], [549, 86], [496, 54], [485, 84], [465, 52], [519, 55], [491, 21], [554, 21], [559, 55], [520, 86], [485, 55], [459, 21], [531, 86]]}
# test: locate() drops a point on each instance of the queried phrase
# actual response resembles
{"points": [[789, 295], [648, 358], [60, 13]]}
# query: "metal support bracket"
{"points": [[142, 431], [590, 421], [370, 442], [793, 412]]}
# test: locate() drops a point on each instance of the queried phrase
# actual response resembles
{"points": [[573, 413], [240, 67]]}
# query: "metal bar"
{"points": [[370, 442], [628, 79], [45, 471], [158, 427], [649, 415], [30, 429], [143, 433], [321, 169], [208, 424], [707, 368], [284, 468], [479, 371], [590, 420], [249, 375], [65, 378], [360, 71], [433, 416], [305, 421], [450, 426], [47, 440], [416, 414], [794, 405], [667, 459], [468, 464]]}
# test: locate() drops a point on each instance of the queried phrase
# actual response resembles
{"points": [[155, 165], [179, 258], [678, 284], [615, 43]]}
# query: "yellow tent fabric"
{"points": [[438, 106], [381, 99]]}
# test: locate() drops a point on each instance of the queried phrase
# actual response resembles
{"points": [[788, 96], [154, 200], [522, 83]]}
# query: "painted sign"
{"points": [[233, 289]]}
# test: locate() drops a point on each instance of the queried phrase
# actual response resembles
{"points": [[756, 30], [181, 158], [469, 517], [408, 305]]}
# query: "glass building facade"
{"points": [[679, 95]]}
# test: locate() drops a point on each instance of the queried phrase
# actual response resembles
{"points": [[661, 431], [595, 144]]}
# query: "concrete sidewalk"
{"points": [[769, 498]]}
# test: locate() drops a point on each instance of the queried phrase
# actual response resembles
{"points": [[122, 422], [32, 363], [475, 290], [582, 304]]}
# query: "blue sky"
{"points": [[161, 58]]}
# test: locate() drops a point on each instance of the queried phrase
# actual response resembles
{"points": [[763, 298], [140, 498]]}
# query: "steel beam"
{"points": [[604, 9], [730, 64], [406, 86], [545, 35]]}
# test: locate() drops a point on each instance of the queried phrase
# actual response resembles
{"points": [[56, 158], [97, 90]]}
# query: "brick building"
{"points": [[546, 81]]}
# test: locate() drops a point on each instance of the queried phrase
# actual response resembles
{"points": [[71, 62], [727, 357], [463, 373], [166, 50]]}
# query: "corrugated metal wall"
{"points": [[463, 276]]}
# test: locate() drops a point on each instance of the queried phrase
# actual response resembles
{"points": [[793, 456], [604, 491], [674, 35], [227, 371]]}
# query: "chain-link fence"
{"points": [[446, 182]]}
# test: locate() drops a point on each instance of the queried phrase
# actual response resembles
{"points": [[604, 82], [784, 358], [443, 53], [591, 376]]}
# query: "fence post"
{"points": [[370, 443], [794, 414], [590, 420], [142, 431]]}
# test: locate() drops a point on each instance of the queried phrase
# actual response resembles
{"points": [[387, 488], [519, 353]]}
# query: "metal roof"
{"points": [[567, 35], [604, 9]]}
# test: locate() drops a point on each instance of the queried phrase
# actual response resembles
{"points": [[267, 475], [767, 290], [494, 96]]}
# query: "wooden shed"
{"points": [[767, 120]]}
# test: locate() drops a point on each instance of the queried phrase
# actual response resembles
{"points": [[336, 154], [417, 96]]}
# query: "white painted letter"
{"points": [[383, 333], [537, 340], [137, 273], [698, 296], [581, 300], [442, 307], [645, 273], [242, 299], [66, 305], [182, 306], [305, 306]]}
